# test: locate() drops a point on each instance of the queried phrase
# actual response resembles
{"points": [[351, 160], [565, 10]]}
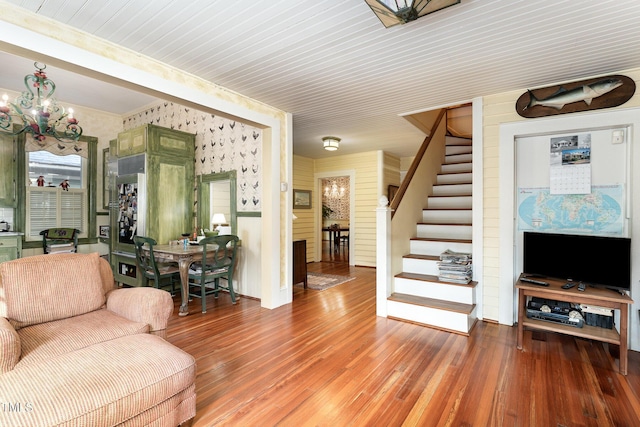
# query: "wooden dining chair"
{"points": [[218, 262], [59, 240], [163, 274]]}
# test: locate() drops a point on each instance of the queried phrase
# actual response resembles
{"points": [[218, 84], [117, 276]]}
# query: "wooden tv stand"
{"points": [[595, 296]]}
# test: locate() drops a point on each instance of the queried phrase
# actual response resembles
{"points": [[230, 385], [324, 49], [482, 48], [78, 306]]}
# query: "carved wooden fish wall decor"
{"points": [[584, 95]]}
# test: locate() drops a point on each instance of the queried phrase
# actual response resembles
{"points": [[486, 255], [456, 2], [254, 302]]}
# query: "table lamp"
{"points": [[217, 220]]}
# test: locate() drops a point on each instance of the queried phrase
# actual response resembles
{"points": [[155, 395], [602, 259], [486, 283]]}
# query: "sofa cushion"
{"points": [[44, 288], [102, 385], [43, 341]]}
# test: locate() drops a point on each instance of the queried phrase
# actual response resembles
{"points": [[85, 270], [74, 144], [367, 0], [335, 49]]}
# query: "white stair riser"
{"points": [[435, 248], [430, 316], [457, 149], [452, 189], [456, 168], [458, 158], [453, 140], [436, 231], [420, 266], [454, 178], [455, 202], [447, 216], [441, 291]]}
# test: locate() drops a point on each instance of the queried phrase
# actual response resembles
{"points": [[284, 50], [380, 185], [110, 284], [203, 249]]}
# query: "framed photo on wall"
{"points": [[301, 199], [392, 190], [104, 231]]}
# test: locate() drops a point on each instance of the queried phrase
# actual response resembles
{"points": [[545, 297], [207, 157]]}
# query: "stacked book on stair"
{"points": [[455, 267]]}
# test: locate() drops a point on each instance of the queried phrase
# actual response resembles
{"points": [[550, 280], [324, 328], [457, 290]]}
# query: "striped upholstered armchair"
{"points": [[74, 351]]}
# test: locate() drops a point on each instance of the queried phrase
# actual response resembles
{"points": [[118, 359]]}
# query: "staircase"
{"points": [[419, 296]]}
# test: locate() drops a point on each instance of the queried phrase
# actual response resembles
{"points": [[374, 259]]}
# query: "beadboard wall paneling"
{"points": [[391, 172], [499, 109], [304, 226]]}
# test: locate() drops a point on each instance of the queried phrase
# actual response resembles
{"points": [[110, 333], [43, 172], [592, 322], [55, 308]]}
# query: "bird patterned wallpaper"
{"points": [[221, 145], [339, 205]]}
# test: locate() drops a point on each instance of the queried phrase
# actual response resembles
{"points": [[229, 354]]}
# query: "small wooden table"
{"points": [[593, 296], [334, 234], [185, 257]]}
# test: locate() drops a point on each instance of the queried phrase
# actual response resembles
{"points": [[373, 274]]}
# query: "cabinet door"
{"points": [[7, 171], [170, 197], [9, 248], [170, 142], [133, 141]]}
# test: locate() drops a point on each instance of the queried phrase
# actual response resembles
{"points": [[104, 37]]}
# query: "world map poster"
{"points": [[600, 212]]}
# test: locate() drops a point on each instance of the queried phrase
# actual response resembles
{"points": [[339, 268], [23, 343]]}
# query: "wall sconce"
{"points": [[331, 143]]}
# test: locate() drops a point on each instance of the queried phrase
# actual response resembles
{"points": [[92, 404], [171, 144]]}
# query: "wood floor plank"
{"points": [[328, 360]]}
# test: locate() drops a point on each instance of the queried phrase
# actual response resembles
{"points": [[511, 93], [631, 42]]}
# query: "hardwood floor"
{"points": [[328, 360]]}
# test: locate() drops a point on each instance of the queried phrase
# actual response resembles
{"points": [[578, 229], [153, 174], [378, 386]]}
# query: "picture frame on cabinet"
{"points": [[301, 199]]}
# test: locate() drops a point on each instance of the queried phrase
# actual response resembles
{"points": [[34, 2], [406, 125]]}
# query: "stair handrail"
{"points": [[414, 164]]}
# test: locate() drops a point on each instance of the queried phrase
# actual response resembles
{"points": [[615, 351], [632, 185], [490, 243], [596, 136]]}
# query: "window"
{"points": [[56, 203], [56, 194]]}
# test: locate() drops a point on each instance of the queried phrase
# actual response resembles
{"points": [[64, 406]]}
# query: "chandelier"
{"points": [[334, 192], [394, 12], [40, 114]]}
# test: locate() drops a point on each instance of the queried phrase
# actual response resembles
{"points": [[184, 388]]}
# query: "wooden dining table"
{"points": [[184, 257], [334, 235]]}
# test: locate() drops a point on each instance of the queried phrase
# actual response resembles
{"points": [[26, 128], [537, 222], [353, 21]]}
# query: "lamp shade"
{"points": [[331, 143], [394, 12], [218, 219]]}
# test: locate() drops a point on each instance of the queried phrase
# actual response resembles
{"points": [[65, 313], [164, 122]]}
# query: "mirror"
{"points": [[217, 194]]}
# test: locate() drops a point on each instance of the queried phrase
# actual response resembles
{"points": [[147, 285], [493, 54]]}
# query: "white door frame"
{"points": [[318, 177]]}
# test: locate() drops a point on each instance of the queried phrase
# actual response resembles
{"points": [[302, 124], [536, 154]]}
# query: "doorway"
{"points": [[336, 214]]}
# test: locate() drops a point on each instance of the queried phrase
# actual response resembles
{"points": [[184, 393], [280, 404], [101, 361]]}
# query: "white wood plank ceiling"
{"points": [[334, 66]]}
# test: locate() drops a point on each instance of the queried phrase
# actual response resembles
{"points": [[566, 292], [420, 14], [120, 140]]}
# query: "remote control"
{"points": [[582, 287], [569, 285], [535, 282]]}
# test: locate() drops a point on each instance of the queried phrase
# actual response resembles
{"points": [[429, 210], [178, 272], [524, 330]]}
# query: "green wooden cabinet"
{"points": [[7, 171], [10, 246], [131, 142], [153, 193]]}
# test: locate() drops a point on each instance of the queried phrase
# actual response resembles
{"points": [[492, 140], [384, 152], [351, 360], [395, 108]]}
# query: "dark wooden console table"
{"points": [[300, 262], [594, 296]]}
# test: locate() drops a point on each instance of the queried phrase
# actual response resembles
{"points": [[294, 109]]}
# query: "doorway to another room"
{"points": [[336, 211]]}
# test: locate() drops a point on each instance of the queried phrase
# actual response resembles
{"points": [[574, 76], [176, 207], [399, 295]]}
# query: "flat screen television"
{"points": [[594, 260]]}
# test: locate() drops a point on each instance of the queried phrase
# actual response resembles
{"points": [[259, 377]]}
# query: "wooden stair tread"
{"points": [[461, 162], [424, 257], [446, 223], [445, 209], [431, 239], [453, 172], [457, 307], [450, 195], [433, 279]]}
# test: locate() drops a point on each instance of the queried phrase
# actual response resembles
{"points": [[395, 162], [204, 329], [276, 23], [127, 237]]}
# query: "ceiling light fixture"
{"points": [[394, 12], [331, 143], [40, 114]]}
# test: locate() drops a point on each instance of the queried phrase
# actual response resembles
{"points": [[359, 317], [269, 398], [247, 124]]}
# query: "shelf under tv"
{"points": [[595, 296]]}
